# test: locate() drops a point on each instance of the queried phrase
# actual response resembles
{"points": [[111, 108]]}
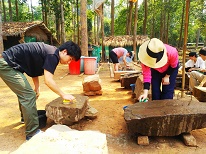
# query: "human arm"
{"points": [[48, 78], [36, 86]]}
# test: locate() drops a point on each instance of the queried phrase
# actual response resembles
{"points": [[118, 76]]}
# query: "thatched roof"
{"points": [[20, 28], [124, 40]]}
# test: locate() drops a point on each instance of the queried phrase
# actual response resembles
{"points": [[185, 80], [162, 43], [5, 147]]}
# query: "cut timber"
{"points": [[200, 93], [165, 117]]}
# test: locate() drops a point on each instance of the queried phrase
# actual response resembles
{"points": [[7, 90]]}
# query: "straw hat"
{"points": [[153, 53]]}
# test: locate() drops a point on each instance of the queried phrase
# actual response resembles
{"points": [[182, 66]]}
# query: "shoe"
{"points": [[28, 137], [188, 93], [22, 120]]}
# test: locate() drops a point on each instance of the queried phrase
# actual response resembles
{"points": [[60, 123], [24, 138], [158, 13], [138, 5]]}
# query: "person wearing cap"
{"points": [[159, 64], [198, 77], [194, 63], [116, 53], [34, 59]]}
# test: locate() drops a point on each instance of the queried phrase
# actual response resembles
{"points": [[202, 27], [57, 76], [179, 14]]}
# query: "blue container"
{"points": [[133, 87]]}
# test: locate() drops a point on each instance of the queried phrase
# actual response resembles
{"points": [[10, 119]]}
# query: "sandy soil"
{"points": [[109, 121]]}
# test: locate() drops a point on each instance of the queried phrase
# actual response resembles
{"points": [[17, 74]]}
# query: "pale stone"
{"points": [[62, 139]]}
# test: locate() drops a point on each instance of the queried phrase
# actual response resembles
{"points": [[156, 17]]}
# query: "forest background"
{"points": [[164, 19]]}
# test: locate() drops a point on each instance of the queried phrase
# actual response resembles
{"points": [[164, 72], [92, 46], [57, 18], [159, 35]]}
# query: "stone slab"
{"points": [[200, 93], [127, 79], [165, 117], [67, 113]]}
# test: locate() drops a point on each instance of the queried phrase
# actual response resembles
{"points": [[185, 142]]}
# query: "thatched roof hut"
{"points": [[124, 40], [19, 32]]}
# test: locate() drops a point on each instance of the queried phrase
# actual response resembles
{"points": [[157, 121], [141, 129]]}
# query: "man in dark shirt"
{"points": [[34, 59]]}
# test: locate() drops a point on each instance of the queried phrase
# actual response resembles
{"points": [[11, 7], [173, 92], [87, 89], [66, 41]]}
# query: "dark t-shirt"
{"points": [[32, 58]]}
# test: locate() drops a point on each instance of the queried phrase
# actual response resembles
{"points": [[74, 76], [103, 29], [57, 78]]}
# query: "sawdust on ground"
{"points": [[109, 121]]}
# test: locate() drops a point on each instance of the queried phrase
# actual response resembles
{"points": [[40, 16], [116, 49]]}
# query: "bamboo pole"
{"points": [[185, 45]]}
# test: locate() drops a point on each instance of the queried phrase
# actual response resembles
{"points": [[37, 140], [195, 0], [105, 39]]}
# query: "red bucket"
{"points": [[74, 67]]}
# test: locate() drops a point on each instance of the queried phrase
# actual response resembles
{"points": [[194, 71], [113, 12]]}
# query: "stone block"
{"points": [[67, 113], [200, 93], [143, 140], [127, 79], [139, 88], [165, 117], [189, 139], [91, 85]]}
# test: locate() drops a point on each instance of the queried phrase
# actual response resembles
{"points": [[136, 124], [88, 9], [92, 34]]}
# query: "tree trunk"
{"points": [[78, 35], [145, 18], [10, 11], [17, 10], [135, 31], [84, 36], [181, 27], [197, 38], [1, 39], [112, 17], [129, 25], [4, 10], [32, 12], [102, 32], [63, 39], [43, 10]]}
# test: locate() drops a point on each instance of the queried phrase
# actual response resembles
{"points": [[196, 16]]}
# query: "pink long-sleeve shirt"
{"points": [[172, 55]]}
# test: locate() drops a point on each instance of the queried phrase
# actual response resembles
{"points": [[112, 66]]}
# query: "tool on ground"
{"points": [[63, 76]]}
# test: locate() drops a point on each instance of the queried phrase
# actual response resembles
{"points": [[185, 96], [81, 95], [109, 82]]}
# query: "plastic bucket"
{"points": [[82, 64], [42, 118], [90, 65], [74, 67]]}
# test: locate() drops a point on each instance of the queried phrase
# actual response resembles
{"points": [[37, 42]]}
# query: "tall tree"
{"points": [[10, 11], [129, 25], [84, 36], [4, 10], [63, 38], [112, 17], [145, 18], [1, 39], [135, 31]]}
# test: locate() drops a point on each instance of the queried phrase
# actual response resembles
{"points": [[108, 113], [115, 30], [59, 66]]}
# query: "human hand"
{"points": [[68, 97], [166, 80], [37, 91], [142, 98]]}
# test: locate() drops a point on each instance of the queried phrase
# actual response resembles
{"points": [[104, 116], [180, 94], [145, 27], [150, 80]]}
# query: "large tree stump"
{"points": [[67, 113], [165, 117]]}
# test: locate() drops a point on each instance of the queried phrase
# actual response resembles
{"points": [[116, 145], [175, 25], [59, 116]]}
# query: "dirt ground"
{"points": [[110, 119]]}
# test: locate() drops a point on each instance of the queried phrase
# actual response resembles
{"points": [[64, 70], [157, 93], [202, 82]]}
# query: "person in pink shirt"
{"points": [[117, 53], [159, 64]]}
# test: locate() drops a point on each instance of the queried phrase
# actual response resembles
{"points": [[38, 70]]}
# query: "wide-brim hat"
{"points": [[153, 53]]}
